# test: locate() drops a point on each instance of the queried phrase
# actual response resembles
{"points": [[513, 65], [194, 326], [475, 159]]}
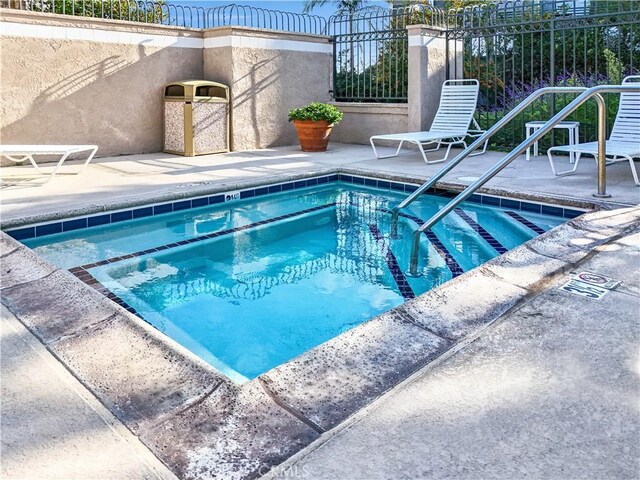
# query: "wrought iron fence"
{"points": [[167, 13], [515, 48], [371, 51], [247, 16]]}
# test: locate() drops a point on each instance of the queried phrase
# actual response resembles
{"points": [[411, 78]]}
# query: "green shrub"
{"points": [[317, 112]]}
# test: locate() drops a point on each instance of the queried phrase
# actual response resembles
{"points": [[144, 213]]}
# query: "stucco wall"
{"points": [[362, 120], [89, 90], [268, 73]]}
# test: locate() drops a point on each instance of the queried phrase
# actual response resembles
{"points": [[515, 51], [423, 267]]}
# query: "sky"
{"points": [[286, 5]]}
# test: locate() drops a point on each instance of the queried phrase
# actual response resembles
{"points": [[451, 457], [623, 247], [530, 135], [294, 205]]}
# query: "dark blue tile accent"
{"points": [[164, 208], [182, 205], [475, 198], [384, 184], [205, 237], [323, 180], [121, 216], [357, 180], [410, 188], [452, 264], [99, 220], [261, 191], [142, 212], [486, 236], [346, 178], [247, 193], [287, 186], [275, 188], [48, 229], [215, 199], [23, 233], [300, 184], [526, 223], [508, 203], [74, 224], [392, 263], [548, 210], [90, 280], [370, 182], [199, 202], [312, 182], [333, 178], [490, 201], [530, 207], [570, 213], [397, 186]]}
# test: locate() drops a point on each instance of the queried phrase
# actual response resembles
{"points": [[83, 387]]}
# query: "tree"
{"points": [[344, 6]]}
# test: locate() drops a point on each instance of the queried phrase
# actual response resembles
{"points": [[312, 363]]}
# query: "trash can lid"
{"points": [[190, 89]]}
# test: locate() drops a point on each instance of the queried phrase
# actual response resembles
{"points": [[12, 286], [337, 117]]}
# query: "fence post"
{"points": [[427, 71]]}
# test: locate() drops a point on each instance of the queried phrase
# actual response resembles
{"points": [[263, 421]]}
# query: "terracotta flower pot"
{"points": [[313, 136]]}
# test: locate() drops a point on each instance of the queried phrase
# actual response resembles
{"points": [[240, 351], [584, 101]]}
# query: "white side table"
{"points": [[574, 132]]}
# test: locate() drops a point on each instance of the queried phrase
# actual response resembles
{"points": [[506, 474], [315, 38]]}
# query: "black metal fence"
{"points": [[515, 48], [167, 13], [371, 52]]}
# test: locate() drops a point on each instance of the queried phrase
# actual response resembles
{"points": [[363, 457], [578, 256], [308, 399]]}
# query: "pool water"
{"points": [[247, 285]]}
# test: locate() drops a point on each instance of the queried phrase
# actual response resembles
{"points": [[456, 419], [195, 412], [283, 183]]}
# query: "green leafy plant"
{"points": [[317, 112]]}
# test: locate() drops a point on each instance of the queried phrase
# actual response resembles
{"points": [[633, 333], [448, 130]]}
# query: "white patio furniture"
{"points": [[624, 142], [572, 127], [22, 153], [450, 126]]}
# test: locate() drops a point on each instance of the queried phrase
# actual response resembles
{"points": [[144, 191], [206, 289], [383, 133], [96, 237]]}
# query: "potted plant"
{"points": [[313, 123]]}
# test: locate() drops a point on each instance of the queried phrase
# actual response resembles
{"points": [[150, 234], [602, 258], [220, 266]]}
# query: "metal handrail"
{"points": [[476, 143], [593, 92]]}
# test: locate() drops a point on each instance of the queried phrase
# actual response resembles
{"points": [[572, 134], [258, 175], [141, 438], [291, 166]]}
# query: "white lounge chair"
{"points": [[450, 126], [624, 142], [22, 153]]}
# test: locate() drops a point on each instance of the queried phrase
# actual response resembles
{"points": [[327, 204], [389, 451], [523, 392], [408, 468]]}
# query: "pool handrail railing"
{"points": [[585, 94]]}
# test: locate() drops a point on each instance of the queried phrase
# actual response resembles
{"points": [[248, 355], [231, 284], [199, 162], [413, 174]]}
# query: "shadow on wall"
{"points": [[254, 87], [89, 93]]}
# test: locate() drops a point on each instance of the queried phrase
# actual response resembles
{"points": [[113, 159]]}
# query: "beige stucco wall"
{"points": [[79, 91], [363, 120], [266, 82]]}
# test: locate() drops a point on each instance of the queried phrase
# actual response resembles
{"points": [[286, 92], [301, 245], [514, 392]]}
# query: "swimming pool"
{"points": [[250, 283]]}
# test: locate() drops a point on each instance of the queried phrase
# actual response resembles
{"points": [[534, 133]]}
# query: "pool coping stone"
{"points": [[141, 204]]}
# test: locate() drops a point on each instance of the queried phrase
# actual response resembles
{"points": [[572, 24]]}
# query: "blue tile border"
{"points": [[486, 236], [526, 223], [200, 238], [443, 251], [392, 263], [25, 233]]}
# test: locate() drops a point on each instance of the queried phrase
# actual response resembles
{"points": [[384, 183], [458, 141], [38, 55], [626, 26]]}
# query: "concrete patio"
{"points": [[548, 391], [124, 181]]}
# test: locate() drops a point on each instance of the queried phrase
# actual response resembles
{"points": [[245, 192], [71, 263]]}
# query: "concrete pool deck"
{"points": [[199, 424], [120, 182], [548, 391]]}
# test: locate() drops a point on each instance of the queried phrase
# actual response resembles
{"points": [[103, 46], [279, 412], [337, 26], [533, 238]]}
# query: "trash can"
{"points": [[196, 118]]}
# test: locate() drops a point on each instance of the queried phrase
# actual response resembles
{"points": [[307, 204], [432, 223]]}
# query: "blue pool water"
{"points": [[247, 285]]}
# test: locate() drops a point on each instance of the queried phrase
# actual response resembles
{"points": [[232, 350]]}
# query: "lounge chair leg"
{"points": [[91, 155], [375, 151], [23, 158], [553, 167], [424, 155], [634, 172], [59, 164]]}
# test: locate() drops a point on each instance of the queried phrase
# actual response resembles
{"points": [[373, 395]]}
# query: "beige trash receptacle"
{"points": [[196, 118]]}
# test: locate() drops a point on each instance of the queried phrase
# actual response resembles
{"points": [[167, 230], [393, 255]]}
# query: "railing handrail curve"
{"points": [[587, 93]]}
